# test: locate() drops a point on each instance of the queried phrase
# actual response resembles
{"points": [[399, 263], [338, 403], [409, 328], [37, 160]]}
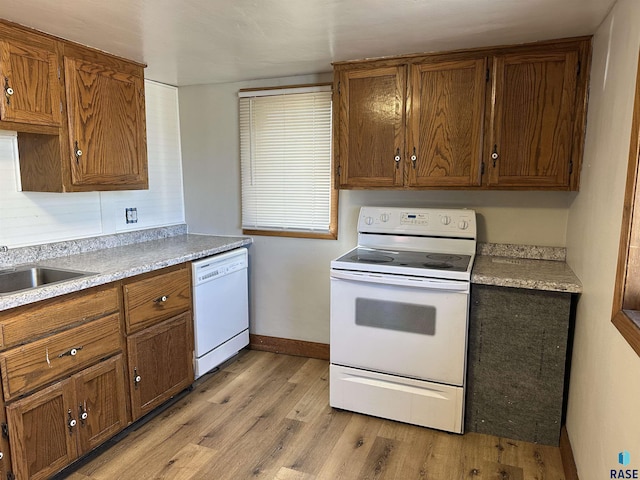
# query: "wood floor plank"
{"points": [[382, 461], [311, 369], [267, 416], [348, 455], [285, 473], [316, 399], [317, 441], [536, 460], [500, 471], [184, 465]]}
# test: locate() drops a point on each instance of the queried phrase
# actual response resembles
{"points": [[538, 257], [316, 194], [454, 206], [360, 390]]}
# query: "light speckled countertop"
{"points": [[551, 275], [112, 264]]}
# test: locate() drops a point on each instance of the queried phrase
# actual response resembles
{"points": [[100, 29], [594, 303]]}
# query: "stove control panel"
{"points": [[418, 221]]}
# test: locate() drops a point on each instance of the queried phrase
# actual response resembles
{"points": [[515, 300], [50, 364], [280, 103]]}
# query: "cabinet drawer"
{"points": [[33, 365], [23, 324], [155, 298]]}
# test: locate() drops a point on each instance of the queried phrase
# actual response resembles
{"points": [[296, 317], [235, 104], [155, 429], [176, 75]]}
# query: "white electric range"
{"points": [[399, 315]]}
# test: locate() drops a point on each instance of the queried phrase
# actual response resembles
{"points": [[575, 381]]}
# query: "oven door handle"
{"points": [[404, 281]]}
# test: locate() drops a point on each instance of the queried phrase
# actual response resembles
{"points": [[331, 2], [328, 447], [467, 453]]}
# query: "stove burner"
{"points": [[443, 257], [438, 265], [371, 258]]}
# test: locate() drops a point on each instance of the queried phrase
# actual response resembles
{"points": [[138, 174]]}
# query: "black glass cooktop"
{"points": [[434, 261]]}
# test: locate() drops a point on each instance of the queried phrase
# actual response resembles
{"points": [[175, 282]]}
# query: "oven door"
{"points": [[409, 326]]}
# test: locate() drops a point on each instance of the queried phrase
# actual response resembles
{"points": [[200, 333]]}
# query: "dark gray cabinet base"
{"points": [[516, 363]]}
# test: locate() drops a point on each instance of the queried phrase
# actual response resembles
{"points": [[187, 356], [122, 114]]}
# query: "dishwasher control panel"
{"points": [[219, 265]]}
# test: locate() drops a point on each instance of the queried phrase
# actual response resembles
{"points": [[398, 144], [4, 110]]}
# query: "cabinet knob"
{"points": [[72, 353], [414, 157], [397, 158], [136, 378], [83, 414], [494, 155], [77, 152], [1, 455], [8, 91], [162, 299], [71, 422]]}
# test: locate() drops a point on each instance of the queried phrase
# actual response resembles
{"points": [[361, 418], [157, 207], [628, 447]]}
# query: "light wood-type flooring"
{"points": [[267, 416]]}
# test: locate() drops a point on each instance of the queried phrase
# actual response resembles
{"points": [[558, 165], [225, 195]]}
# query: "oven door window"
{"points": [[403, 317]]}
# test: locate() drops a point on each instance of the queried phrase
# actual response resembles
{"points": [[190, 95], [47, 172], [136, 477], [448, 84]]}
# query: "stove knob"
{"points": [[384, 217], [463, 225], [368, 220], [446, 220]]}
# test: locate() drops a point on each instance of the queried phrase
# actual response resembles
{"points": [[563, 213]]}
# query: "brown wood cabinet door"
{"points": [[371, 127], [100, 402], [30, 84], [532, 124], [42, 440], [160, 363], [106, 125], [446, 123]]}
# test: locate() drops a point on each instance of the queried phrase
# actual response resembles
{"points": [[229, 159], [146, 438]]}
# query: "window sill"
{"points": [[628, 324], [293, 234]]}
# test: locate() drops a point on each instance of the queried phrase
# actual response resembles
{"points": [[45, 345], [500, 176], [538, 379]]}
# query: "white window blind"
{"points": [[285, 156]]}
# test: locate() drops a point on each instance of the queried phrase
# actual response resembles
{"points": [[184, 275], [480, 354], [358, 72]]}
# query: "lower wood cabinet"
{"points": [[52, 427], [160, 363], [78, 369]]}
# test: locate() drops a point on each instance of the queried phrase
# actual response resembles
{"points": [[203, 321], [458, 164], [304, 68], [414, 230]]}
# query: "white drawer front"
{"points": [[397, 398]]}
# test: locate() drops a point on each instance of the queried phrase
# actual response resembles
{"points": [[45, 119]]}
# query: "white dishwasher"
{"points": [[220, 308]]}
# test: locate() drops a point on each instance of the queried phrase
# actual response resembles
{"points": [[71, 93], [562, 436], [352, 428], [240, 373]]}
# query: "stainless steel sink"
{"points": [[28, 277]]}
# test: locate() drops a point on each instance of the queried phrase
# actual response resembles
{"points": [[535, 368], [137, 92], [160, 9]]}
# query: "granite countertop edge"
{"points": [[526, 273], [113, 264]]}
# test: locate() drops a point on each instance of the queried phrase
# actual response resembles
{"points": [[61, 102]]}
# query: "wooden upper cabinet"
{"points": [[371, 126], [106, 125], [508, 117], [444, 147], [79, 113], [30, 80], [530, 140]]}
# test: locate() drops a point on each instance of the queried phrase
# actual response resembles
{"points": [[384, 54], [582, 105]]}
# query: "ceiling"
{"points": [[186, 42]]}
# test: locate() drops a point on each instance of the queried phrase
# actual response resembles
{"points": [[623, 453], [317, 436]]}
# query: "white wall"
{"points": [[29, 218], [603, 416], [290, 277]]}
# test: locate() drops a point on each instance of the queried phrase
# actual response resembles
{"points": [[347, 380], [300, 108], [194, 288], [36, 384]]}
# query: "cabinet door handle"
{"points": [[73, 352], [494, 155], [71, 422], [82, 414], [8, 91], [397, 158], [136, 378], [77, 152], [161, 299], [414, 157]]}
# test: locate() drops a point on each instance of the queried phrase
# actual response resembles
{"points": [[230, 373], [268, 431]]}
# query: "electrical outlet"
{"points": [[131, 215]]}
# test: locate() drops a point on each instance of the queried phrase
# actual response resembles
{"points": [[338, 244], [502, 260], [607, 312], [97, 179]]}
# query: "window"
{"points": [[285, 157], [626, 301]]}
